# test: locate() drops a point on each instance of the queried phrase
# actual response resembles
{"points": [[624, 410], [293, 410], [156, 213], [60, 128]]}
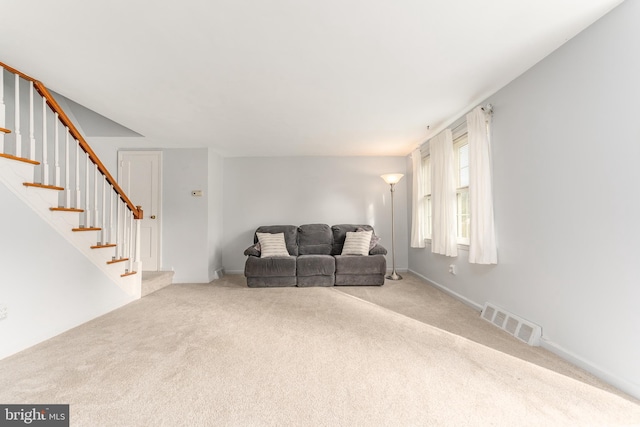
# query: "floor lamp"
{"points": [[392, 179]]}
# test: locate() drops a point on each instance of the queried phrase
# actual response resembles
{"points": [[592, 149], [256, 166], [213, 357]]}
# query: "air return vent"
{"points": [[516, 326]]}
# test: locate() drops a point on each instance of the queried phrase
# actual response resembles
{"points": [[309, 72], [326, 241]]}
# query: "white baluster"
{"points": [[103, 224], [78, 199], [67, 169], [95, 196], [2, 110], [125, 237], [16, 126], [56, 152], [118, 241], [45, 154], [87, 211], [32, 126], [111, 208], [131, 242], [136, 263]]}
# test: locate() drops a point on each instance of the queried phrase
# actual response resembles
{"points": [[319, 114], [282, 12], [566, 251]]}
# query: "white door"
{"points": [[140, 176]]}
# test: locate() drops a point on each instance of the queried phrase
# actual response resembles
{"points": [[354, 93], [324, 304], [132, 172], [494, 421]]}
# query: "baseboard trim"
{"points": [[233, 271], [448, 291], [614, 380]]}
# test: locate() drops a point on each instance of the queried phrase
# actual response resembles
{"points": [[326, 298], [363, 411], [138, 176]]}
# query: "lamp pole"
{"points": [[392, 179]]}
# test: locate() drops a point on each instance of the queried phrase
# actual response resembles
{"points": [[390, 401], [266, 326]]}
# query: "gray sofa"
{"points": [[315, 259]]}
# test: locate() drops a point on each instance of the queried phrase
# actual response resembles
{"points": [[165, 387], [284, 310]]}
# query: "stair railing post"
{"points": [[111, 209], [45, 148], [32, 124], [130, 241], [87, 211], [125, 239], [95, 196], [103, 217], [3, 110], [67, 170], [78, 199], [118, 241], [16, 127], [56, 151]]}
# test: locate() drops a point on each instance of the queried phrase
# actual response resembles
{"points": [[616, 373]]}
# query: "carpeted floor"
{"points": [[223, 354]]}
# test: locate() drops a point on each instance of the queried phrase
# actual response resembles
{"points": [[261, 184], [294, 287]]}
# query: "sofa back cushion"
{"points": [[315, 239], [290, 235], [340, 233]]}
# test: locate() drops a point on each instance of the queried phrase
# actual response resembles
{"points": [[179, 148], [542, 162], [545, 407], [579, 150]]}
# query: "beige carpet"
{"points": [[222, 354], [432, 306]]}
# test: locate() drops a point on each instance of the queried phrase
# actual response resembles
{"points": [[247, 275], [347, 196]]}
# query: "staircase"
{"points": [[48, 164]]}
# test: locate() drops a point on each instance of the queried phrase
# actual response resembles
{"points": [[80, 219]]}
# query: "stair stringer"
{"points": [[14, 174]]}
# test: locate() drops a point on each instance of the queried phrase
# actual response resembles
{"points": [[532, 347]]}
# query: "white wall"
{"points": [[47, 285], [565, 151], [185, 226], [305, 190]]}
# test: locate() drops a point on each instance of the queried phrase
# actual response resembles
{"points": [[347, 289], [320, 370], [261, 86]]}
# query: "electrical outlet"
{"points": [[452, 269], [4, 311]]}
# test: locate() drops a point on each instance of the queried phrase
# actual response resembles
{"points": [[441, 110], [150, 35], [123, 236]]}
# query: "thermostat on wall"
{"points": [[196, 193]]}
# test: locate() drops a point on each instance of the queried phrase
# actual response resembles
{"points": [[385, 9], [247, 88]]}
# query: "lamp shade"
{"points": [[392, 178]]}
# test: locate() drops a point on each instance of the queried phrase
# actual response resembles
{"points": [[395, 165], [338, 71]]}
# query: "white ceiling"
{"points": [[285, 77]]}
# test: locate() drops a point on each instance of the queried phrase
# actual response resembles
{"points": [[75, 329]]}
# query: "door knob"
{"points": [[152, 217]]}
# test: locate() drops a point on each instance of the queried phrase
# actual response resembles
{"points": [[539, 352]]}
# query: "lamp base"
{"points": [[394, 276]]}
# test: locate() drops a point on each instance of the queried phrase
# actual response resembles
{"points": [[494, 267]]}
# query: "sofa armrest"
{"points": [[378, 250], [252, 251]]}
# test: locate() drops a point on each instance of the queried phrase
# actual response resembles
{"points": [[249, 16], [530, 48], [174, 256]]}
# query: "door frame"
{"points": [[159, 153]]}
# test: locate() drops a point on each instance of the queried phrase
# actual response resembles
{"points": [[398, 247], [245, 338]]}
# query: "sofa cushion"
{"points": [[315, 265], [355, 265], [272, 245], [314, 239], [359, 280], [340, 233], [290, 236], [357, 243], [309, 281], [271, 282], [270, 267]]}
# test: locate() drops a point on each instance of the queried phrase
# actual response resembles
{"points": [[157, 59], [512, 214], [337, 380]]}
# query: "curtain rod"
{"points": [[488, 108]]}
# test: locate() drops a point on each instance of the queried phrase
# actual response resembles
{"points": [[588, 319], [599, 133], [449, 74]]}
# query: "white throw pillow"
{"points": [[272, 245], [357, 243]]}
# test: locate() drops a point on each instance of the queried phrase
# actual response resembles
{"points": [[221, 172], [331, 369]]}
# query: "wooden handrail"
{"points": [[14, 71], [62, 116], [42, 90]]}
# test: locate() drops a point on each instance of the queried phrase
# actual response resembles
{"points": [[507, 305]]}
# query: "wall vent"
{"points": [[516, 326]]}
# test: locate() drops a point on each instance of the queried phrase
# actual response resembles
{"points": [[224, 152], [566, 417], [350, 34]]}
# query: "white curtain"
{"points": [[443, 195], [482, 240], [417, 212]]}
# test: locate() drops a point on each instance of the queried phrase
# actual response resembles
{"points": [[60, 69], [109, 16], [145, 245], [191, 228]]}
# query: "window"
{"points": [[461, 170], [426, 170]]}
